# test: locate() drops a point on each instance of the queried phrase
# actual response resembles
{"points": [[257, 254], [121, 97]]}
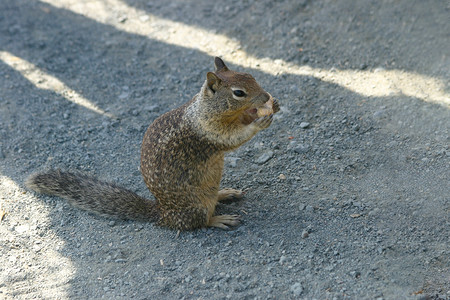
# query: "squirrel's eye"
{"points": [[239, 93]]}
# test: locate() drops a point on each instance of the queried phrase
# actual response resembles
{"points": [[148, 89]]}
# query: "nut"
{"points": [[266, 109]]}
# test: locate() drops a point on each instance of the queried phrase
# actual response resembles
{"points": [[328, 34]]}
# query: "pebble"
{"points": [[22, 228], [232, 161], [144, 18], [305, 234], [304, 125], [301, 149], [123, 95], [264, 158], [283, 259], [297, 289], [355, 274], [152, 108], [381, 113]]}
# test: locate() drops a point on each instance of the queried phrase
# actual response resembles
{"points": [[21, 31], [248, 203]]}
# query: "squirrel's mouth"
{"points": [[265, 109], [248, 116], [254, 113]]}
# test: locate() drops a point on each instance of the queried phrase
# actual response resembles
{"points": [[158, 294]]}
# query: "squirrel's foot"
{"points": [[230, 194], [264, 122], [224, 221]]}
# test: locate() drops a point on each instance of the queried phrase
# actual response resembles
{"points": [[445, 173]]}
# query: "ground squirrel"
{"points": [[182, 157]]}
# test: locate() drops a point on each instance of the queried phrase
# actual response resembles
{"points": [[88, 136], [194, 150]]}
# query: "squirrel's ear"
{"points": [[220, 65], [212, 81]]}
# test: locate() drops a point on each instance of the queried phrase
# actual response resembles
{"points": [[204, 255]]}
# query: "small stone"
{"points": [[232, 161], [301, 149], [22, 228], [123, 95], [139, 227], [381, 113], [282, 177], [304, 125], [264, 158], [144, 18], [309, 208], [297, 289], [282, 260], [355, 274], [305, 234], [112, 223], [152, 108], [374, 212]]}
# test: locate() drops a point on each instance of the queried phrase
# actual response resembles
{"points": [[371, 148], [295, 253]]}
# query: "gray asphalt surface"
{"points": [[347, 193]]}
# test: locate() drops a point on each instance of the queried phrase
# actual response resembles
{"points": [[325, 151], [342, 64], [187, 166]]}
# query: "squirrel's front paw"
{"points": [[229, 194], [275, 106], [264, 122]]}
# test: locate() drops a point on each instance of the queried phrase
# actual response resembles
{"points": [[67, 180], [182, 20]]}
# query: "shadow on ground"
{"points": [[363, 209]]}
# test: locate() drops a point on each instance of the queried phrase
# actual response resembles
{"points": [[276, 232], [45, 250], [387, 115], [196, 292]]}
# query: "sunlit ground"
{"points": [[376, 83], [368, 83], [45, 81], [21, 240]]}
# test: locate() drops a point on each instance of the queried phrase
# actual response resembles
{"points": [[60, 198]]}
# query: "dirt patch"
{"points": [[347, 193]]}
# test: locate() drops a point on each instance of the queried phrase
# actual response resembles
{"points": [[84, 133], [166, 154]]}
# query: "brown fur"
{"points": [[182, 158]]}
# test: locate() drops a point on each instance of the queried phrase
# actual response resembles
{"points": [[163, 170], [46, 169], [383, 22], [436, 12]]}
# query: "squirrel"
{"points": [[182, 158]]}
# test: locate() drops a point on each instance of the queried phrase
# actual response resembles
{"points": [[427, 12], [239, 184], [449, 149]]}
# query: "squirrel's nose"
{"points": [[262, 98]]}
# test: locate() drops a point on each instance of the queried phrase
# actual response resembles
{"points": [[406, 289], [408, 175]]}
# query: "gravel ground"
{"points": [[347, 193]]}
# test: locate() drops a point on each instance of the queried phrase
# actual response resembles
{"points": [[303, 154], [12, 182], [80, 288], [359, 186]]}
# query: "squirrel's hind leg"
{"points": [[224, 221], [230, 194], [187, 218], [193, 218]]}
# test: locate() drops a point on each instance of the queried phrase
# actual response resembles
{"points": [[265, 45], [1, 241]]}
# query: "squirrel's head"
{"points": [[233, 96]]}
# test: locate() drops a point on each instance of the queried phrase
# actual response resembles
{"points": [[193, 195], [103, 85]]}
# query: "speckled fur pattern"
{"points": [[182, 158], [182, 154], [89, 193]]}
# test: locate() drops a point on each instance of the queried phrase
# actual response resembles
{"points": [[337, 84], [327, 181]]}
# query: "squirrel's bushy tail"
{"points": [[93, 195]]}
